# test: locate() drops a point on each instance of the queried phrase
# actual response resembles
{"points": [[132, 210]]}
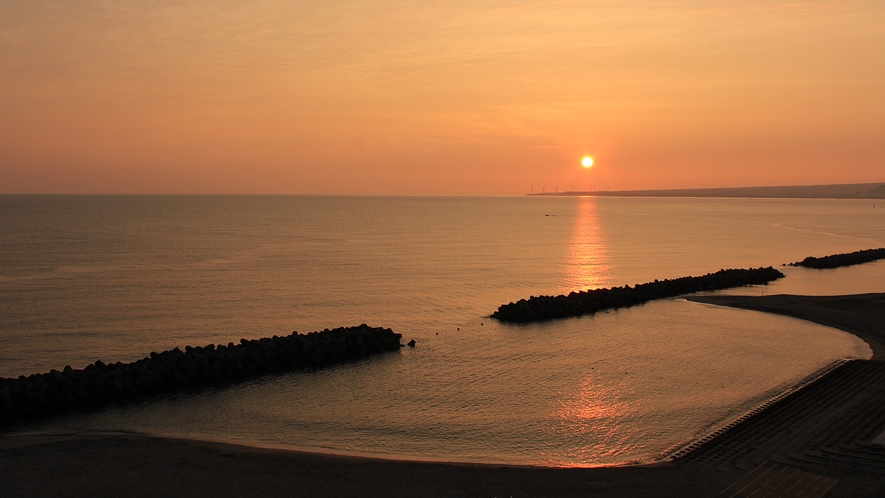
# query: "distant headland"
{"points": [[839, 191]]}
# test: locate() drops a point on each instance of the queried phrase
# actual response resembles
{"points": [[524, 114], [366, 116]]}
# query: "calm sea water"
{"points": [[114, 278]]}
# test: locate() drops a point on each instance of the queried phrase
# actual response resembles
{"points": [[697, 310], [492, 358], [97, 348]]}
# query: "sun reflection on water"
{"points": [[592, 420], [586, 264]]}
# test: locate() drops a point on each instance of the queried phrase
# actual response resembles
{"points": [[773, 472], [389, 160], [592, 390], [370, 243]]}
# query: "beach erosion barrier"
{"points": [[44, 394], [538, 308], [839, 260]]}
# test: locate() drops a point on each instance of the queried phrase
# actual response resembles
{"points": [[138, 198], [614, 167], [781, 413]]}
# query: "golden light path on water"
{"points": [[593, 419], [592, 416], [586, 264]]}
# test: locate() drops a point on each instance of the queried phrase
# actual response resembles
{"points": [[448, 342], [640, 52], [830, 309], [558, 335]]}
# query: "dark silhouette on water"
{"points": [[845, 259], [590, 301], [98, 384]]}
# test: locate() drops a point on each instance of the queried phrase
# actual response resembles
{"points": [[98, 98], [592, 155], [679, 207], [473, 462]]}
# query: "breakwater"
{"points": [[538, 308], [39, 395], [845, 259]]}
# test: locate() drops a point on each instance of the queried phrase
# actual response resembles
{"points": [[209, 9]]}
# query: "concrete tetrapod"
{"points": [[44, 394], [839, 260], [590, 301]]}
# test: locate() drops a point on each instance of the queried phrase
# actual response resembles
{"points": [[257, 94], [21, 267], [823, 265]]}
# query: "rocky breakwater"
{"points": [[846, 259], [590, 301], [44, 394]]}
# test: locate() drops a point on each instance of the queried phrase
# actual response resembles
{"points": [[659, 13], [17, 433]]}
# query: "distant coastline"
{"points": [[837, 191]]}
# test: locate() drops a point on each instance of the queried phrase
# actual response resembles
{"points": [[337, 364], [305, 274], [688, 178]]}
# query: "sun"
{"points": [[587, 161]]}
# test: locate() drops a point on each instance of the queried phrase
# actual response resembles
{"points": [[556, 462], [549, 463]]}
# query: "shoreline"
{"points": [[11, 441], [113, 464], [116, 463], [859, 314]]}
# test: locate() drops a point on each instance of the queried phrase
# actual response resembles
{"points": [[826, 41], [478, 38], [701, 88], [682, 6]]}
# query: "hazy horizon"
{"points": [[464, 98], [522, 194]]}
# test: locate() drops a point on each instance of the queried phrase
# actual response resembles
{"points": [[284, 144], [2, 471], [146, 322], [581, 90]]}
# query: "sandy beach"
{"points": [[113, 464], [138, 465], [860, 314]]}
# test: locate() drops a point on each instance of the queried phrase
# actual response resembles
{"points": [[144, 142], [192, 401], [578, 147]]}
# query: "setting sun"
{"points": [[587, 162]]}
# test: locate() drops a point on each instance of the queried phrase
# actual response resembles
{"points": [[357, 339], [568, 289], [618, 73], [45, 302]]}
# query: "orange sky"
{"points": [[437, 97]]}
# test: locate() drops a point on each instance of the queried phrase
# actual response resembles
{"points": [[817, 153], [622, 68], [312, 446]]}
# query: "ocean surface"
{"points": [[84, 278]]}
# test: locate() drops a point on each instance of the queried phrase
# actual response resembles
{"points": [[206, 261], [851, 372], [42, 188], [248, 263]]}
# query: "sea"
{"points": [[113, 278]]}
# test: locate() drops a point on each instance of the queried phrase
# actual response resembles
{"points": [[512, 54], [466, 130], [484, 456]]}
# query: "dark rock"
{"points": [[839, 260], [591, 301], [41, 395]]}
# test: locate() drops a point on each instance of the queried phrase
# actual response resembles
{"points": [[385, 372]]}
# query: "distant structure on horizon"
{"points": [[837, 191]]}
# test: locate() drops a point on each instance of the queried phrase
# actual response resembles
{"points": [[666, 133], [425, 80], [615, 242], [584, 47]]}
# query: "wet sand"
{"points": [[99, 464], [139, 465], [860, 314]]}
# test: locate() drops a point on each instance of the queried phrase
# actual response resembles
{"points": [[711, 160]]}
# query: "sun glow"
{"points": [[587, 161]]}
